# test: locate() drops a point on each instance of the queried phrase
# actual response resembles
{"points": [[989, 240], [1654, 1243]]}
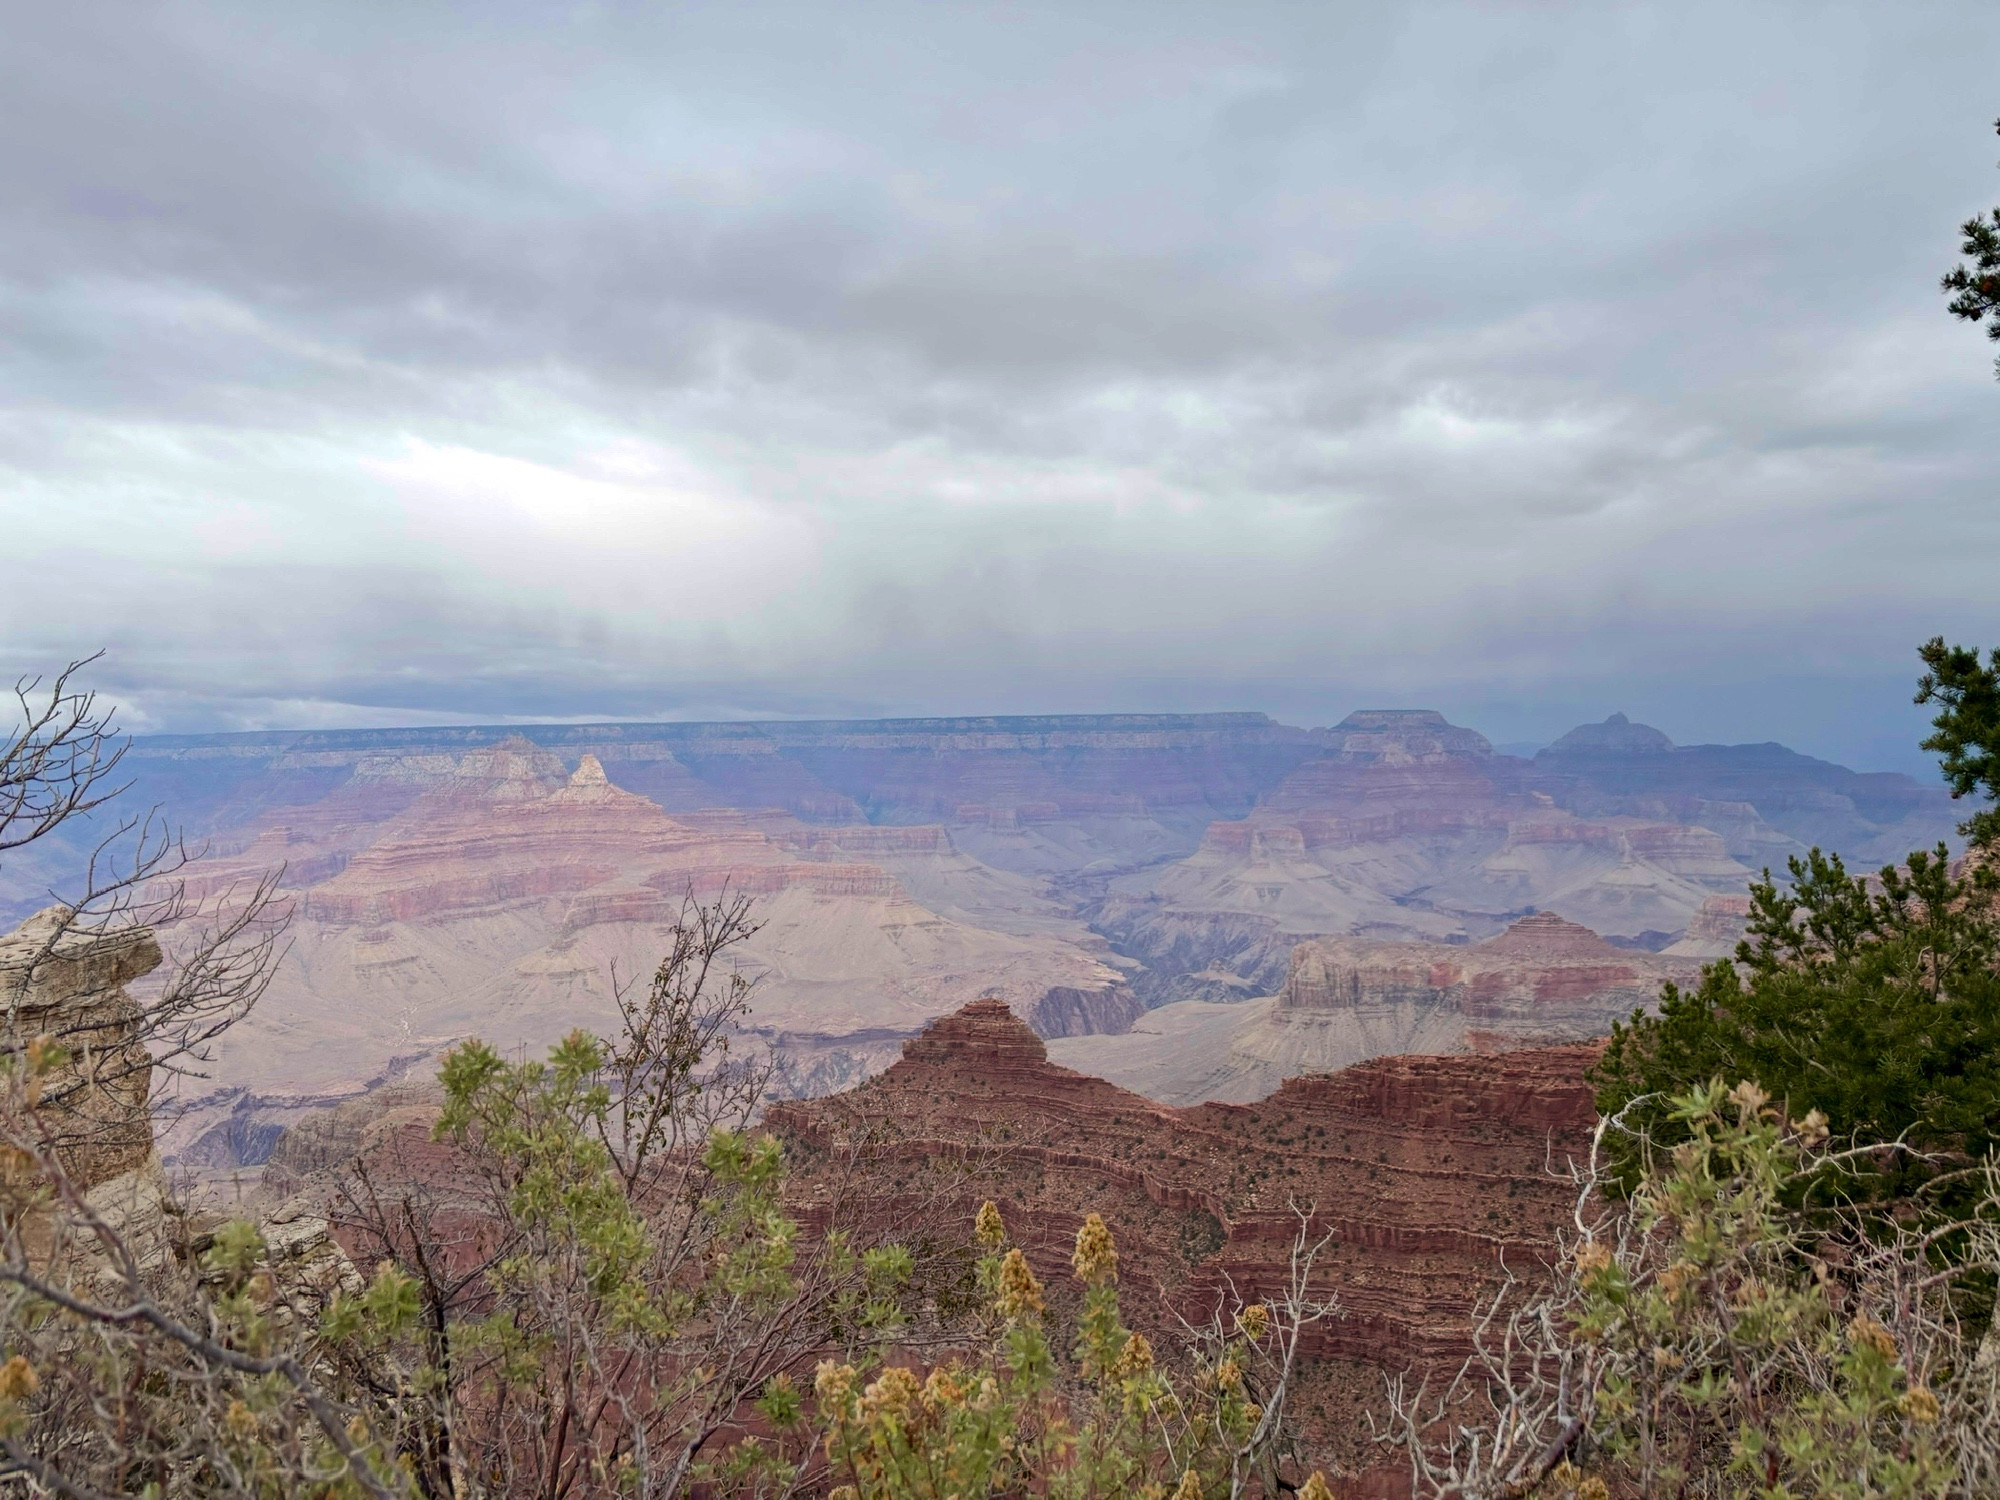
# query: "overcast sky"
{"points": [[397, 363]]}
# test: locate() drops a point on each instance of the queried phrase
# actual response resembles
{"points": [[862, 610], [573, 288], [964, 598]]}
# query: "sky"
{"points": [[372, 363]]}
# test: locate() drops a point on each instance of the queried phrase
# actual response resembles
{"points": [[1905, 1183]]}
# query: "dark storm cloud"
{"points": [[362, 361]]}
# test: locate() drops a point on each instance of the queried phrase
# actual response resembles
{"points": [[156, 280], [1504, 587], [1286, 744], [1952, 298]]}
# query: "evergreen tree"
{"points": [[1975, 287], [1966, 734], [1875, 1001]]}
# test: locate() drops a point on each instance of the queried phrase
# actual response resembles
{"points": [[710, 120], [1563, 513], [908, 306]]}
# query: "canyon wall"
{"points": [[1544, 980], [1427, 1172], [498, 894]]}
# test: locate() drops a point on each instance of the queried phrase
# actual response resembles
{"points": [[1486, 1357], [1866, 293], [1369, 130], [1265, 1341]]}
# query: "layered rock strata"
{"points": [[1404, 827], [1432, 1178], [64, 983], [1427, 1172], [501, 898], [1544, 980]]}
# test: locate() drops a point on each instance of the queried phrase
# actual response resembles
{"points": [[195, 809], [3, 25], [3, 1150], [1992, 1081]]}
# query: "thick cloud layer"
{"points": [[371, 363]]}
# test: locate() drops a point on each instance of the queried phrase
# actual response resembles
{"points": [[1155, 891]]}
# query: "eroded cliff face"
{"points": [[1543, 981], [64, 982], [501, 895], [1404, 827], [1427, 1171]]}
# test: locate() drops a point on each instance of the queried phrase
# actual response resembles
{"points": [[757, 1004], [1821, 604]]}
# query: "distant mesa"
{"points": [[1545, 936], [1617, 735], [1405, 735]]}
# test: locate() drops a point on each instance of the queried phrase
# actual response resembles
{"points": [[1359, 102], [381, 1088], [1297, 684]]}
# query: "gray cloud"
{"points": [[369, 362]]}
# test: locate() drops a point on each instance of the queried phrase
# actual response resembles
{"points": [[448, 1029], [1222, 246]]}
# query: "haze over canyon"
{"points": [[1194, 906]]}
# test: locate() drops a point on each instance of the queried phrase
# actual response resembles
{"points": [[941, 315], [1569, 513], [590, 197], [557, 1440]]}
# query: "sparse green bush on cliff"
{"points": [[1111, 1422], [1707, 1338]]}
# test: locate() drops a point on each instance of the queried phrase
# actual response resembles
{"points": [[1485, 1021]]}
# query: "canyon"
{"points": [[1149, 892], [1544, 980], [499, 894], [1213, 977]]}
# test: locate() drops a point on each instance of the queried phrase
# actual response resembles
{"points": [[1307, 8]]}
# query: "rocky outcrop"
{"points": [[318, 1145], [63, 982], [1428, 1172], [1544, 979], [1715, 930], [1066, 1010]]}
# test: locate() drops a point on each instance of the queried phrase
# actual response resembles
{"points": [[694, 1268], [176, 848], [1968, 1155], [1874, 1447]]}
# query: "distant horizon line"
{"points": [[539, 730]]}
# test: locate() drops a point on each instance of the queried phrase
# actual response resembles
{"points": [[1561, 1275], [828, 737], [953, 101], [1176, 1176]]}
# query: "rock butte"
{"points": [[1428, 1170]]}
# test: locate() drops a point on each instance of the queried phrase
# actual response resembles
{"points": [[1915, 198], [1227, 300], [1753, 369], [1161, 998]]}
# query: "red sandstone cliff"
{"points": [[1427, 1170]]}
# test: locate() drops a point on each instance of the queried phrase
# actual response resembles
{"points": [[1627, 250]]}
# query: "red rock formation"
{"points": [[1543, 979], [1426, 1170], [63, 980]]}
